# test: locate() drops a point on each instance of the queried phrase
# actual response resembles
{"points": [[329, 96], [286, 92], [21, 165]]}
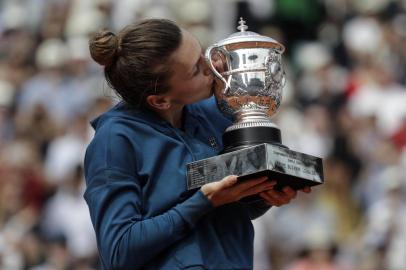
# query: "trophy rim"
{"points": [[258, 42]]}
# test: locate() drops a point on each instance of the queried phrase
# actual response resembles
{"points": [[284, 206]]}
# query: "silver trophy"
{"points": [[253, 79], [250, 67]]}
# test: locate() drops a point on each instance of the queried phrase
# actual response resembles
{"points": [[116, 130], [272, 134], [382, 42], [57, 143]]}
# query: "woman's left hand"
{"points": [[279, 198]]}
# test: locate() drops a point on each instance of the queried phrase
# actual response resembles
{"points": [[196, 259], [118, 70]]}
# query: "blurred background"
{"points": [[345, 101]]}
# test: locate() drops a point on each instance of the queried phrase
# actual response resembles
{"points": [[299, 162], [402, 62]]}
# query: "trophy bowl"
{"points": [[250, 67]]}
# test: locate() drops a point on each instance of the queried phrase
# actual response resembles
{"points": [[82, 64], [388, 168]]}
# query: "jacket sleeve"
{"points": [[127, 240]]}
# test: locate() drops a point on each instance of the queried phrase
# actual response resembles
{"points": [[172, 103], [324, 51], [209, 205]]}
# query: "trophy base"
{"points": [[245, 137], [280, 164]]}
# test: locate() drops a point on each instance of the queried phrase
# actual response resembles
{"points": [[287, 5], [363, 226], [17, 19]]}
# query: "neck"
{"points": [[173, 116]]}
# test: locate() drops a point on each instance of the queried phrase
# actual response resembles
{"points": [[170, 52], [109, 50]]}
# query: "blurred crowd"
{"points": [[345, 101]]}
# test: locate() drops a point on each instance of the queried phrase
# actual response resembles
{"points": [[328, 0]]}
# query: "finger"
{"points": [[224, 183], [291, 193], [247, 184], [227, 181], [269, 199], [265, 186], [275, 197], [306, 189]]}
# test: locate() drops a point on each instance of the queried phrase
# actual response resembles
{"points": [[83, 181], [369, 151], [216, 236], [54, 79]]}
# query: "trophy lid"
{"points": [[248, 39]]}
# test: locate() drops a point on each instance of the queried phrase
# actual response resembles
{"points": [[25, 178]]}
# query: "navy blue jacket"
{"points": [[142, 213]]}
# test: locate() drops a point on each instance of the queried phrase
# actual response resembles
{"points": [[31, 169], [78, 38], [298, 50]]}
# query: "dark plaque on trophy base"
{"points": [[287, 167]]}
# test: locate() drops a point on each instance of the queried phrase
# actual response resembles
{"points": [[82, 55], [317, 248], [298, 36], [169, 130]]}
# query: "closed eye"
{"points": [[198, 65]]}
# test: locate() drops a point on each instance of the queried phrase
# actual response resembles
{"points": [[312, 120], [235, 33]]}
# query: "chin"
{"points": [[208, 95]]}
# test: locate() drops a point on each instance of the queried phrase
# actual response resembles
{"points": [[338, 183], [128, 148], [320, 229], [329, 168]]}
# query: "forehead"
{"points": [[187, 53]]}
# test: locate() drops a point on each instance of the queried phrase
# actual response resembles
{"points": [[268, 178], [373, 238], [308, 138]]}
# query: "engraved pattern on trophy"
{"points": [[275, 77]]}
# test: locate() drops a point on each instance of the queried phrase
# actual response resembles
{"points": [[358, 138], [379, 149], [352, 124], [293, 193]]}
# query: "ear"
{"points": [[158, 102]]}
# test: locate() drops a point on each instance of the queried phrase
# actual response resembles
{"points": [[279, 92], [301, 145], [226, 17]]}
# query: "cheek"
{"points": [[203, 83], [195, 85], [196, 89]]}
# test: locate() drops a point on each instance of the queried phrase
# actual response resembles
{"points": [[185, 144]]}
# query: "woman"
{"points": [[142, 213]]}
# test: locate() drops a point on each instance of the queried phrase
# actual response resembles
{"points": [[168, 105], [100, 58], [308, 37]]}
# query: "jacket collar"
{"points": [[190, 120]]}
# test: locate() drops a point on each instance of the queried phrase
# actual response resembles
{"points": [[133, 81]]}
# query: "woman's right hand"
{"points": [[229, 190]]}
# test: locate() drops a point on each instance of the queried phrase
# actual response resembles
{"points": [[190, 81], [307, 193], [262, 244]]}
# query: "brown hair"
{"points": [[136, 60]]}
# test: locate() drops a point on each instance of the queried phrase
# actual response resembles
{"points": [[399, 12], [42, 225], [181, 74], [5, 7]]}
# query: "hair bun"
{"points": [[103, 47]]}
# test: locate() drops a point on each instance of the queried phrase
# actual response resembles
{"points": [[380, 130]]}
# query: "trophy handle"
{"points": [[218, 75]]}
